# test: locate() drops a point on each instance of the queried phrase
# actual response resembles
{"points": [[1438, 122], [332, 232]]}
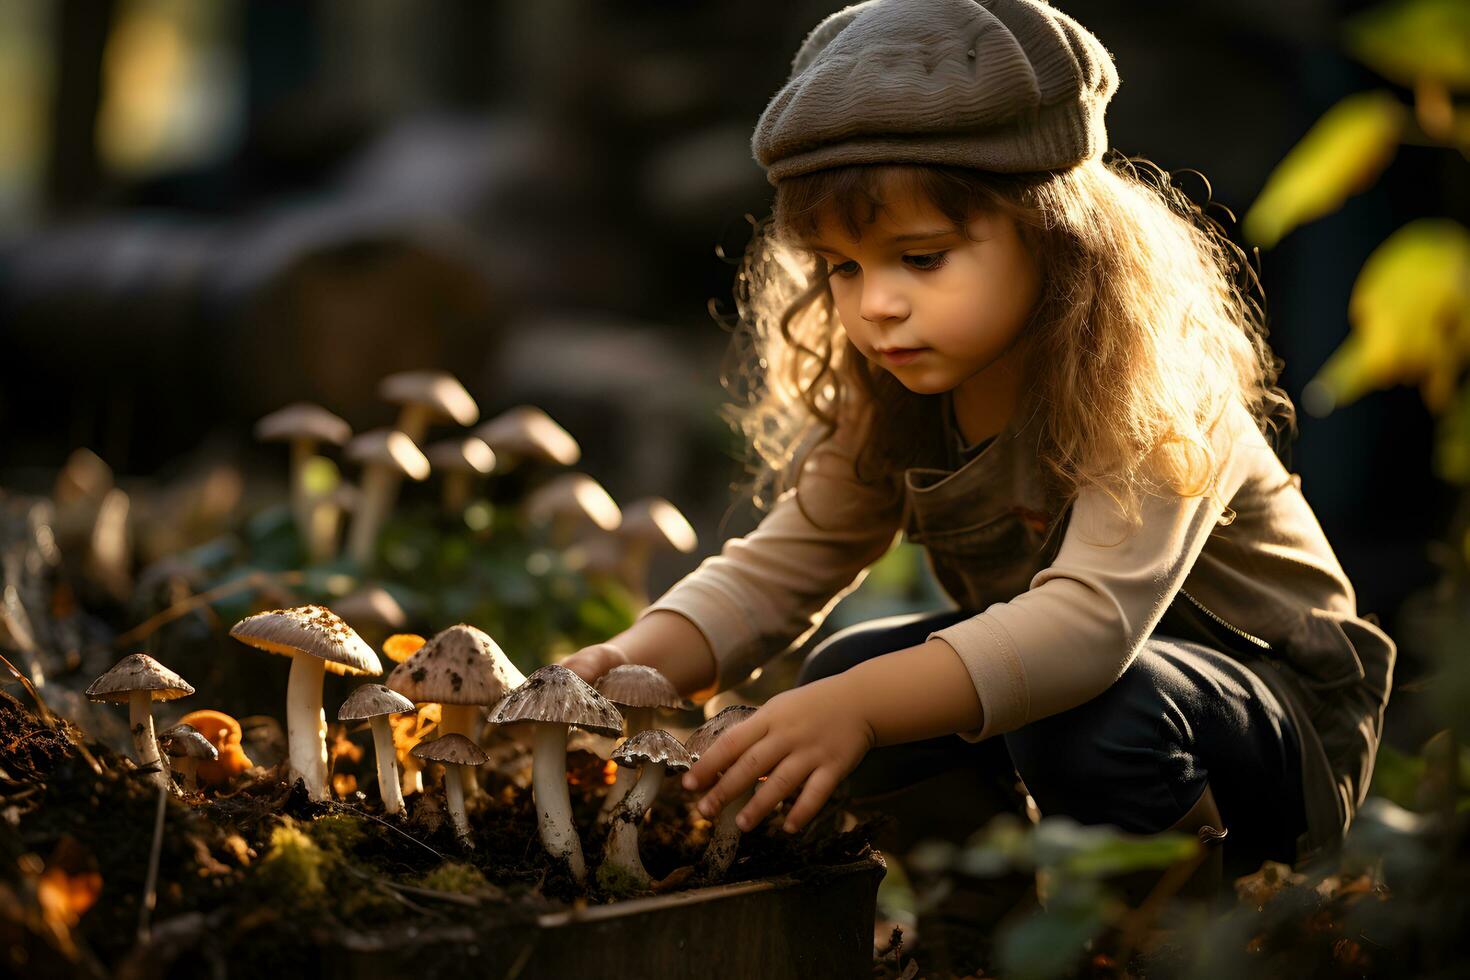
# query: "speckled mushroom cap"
{"points": [[303, 420], [187, 742], [440, 391], [654, 745], [139, 672], [705, 735], [372, 700], [526, 432], [459, 665], [553, 693], [313, 630], [637, 686], [453, 748]]}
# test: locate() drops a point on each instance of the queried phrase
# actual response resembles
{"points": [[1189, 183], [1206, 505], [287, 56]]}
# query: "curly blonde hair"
{"points": [[1145, 331]]}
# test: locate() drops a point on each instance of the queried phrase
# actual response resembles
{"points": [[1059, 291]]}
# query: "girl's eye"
{"points": [[924, 263], [842, 270]]}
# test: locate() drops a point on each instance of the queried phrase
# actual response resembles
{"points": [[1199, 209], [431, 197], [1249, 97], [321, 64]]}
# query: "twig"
{"points": [[185, 606], [150, 889]]}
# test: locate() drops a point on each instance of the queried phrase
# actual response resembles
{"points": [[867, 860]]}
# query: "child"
{"points": [[971, 326]]}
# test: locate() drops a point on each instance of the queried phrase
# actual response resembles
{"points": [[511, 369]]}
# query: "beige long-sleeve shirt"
{"points": [[1060, 643]]}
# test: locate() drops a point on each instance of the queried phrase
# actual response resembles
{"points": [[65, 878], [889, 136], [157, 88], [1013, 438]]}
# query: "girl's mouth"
{"points": [[901, 355]]}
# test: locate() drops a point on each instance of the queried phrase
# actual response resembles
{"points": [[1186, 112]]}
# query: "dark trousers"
{"points": [[1137, 756]]}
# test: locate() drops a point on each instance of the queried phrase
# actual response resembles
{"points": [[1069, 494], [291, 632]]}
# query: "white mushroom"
{"points": [[569, 503], [724, 839], [649, 524], [553, 698], [458, 462], [387, 457], [657, 752], [139, 680], [427, 397], [459, 755], [186, 747], [638, 691], [316, 640], [304, 426], [375, 703], [527, 433]]}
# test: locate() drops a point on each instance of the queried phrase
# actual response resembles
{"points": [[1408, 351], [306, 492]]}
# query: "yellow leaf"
{"points": [[1410, 315], [1339, 156], [1409, 40]]}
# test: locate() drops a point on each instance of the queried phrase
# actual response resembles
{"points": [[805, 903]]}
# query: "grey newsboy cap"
{"points": [[1002, 85]]}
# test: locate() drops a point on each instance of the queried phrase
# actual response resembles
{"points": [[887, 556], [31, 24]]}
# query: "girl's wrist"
{"points": [[674, 646]]}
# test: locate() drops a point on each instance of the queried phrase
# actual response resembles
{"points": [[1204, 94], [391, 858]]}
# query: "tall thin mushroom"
{"points": [[375, 703], [138, 680], [657, 752], [554, 698], [649, 524], [426, 397], [386, 457], [459, 756], [459, 462], [638, 691], [724, 839], [304, 426], [317, 641], [570, 502], [527, 433]]}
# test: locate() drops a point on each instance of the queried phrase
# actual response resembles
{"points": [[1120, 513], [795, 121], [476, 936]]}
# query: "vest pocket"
{"points": [[1327, 658]]}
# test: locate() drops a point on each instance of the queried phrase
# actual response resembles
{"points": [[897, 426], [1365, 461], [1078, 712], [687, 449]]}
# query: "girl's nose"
{"points": [[882, 301]]}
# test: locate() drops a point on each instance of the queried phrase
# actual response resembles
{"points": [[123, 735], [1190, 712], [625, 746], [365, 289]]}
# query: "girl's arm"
{"points": [[663, 640]]}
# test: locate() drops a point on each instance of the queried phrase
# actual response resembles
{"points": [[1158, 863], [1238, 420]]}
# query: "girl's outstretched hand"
{"points": [[807, 738], [590, 663]]}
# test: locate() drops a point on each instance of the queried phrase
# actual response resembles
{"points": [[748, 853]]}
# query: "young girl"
{"points": [[972, 325]]}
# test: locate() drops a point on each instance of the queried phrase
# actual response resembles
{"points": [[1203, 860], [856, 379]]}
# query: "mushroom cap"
{"points": [[454, 748], [573, 495], [705, 735], [373, 701], [139, 672], [439, 390], [459, 665], [387, 447], [187, 742], [374, 605], [655, 520], [526, 432], [303, 420], [638, 686], [654, 745], [313, 630], [400, 646], [553, 693], [468, 455]]}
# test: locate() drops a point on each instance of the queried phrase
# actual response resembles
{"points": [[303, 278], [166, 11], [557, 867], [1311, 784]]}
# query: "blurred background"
{"points": [[211, 209]]}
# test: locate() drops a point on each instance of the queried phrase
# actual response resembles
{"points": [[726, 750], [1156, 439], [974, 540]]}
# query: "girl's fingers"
{"points": [[727, 748], [819, 786], [783, 781], [753, 763]]}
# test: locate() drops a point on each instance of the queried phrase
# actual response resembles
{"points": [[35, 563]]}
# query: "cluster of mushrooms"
{"points": [[464, 671], [607, 540]]}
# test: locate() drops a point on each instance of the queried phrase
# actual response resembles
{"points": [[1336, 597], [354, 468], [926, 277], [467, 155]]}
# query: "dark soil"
{"points": [[261, 878]]}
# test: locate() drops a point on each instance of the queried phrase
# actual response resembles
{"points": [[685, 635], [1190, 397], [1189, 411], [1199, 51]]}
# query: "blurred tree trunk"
{"points": [[74, 172]]}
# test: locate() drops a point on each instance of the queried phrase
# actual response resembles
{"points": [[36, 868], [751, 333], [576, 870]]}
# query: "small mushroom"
{"points": [[375, 703], [139, 680], [657, 752], [186, 747], [458, 754], [387, 457], [527, 433], [427, 397], [553, 698], [637, 690], [462, 669], [225, 734], [317, 641], [459, 462], [569, 503], [304, 426], [650, 524], [724, 839], [372, 611]]}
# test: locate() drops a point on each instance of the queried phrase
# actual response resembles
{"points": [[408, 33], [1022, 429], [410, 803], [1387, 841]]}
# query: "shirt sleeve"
{"points": [[1084, 618], [771, 588]]}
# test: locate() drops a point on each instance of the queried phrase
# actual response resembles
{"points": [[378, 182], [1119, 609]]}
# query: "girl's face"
{"points": [[934, 308]]}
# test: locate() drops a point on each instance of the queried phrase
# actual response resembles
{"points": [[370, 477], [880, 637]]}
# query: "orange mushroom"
{"points": [[400, 646], [224, 734]]}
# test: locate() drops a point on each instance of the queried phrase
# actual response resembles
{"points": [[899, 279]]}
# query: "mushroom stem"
{"points": [[724, 839], [456, 492], [321, 538], [454, 793], [302, 449], [140, 719], [189, 769], [553, 800], [413, 421], [463, 719], [306, 724], [622, 841], [388, 787], [379, 486], [637, 720]]}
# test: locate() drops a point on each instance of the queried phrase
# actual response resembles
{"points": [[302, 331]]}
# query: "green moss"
{"points": [[618, 882], [338, 832], [295, 869], [452, 876]]}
